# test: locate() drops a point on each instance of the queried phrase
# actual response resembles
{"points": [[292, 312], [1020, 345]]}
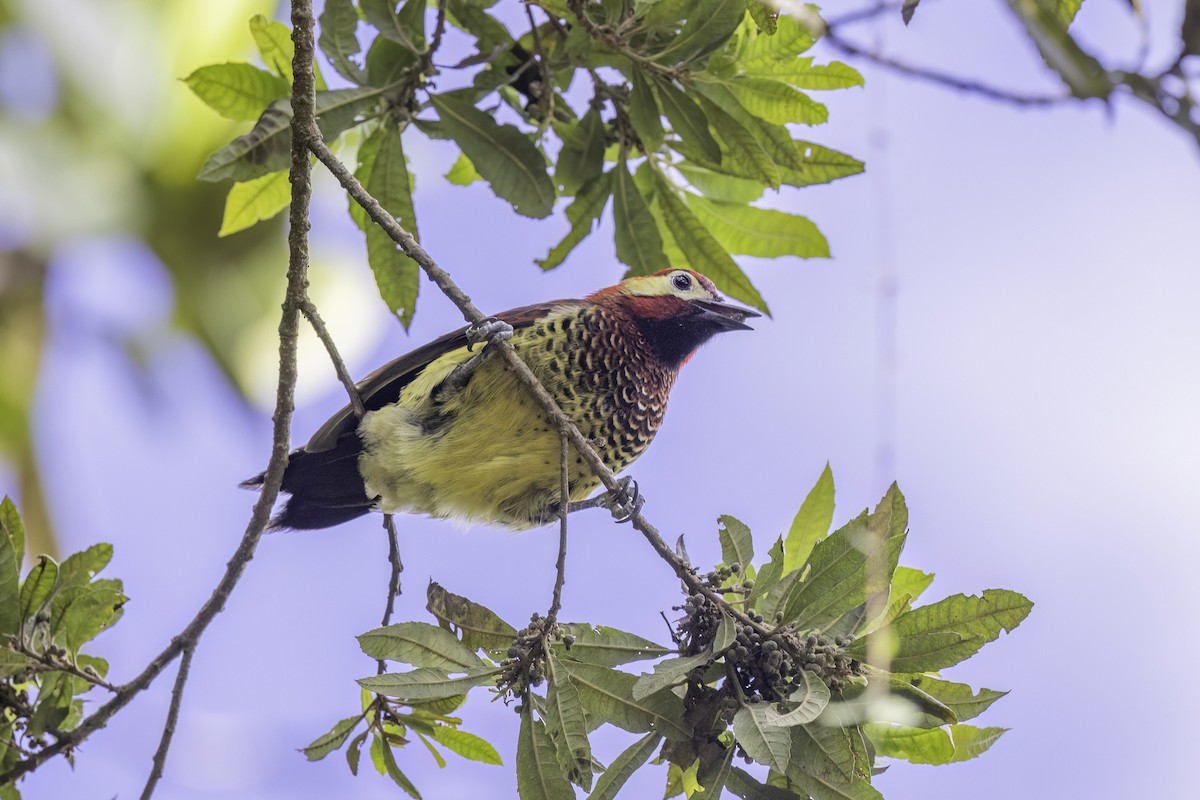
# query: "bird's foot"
{"points": [[488, 331], [625, 503]]}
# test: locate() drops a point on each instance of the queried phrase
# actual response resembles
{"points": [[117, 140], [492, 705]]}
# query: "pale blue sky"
{"points": [[1045, 434]]}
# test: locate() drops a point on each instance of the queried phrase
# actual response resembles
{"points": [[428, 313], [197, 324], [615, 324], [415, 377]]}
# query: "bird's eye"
{"points": [[682, 281]]}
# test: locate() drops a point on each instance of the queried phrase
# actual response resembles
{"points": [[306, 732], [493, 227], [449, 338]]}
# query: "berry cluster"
{"points": [[768, 666], [525, 665]]}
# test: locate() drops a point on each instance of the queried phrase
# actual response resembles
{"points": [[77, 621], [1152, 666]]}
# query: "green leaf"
{"points": [[768, 577], [354, 751], [762, 740], [339, 21], [504, 156], [713, 783], [811, 523], [746, 787], [1078, 69], [766, 17], [583, 214], [942, 634], [13, 528], [931, 745], [79, 568], [667, 673], [565, 725], [737, 547], [759, 231], [686, 118], [79, 613], [467, 745], [608, 695], [387, 62], [405, 27], [909, 581], [701, 249], [609, 647], [639, 244], [709, 24], [236, 90], [39, 584], [538, 775], [790, 39], [480, 627], [582, 154], [463, 173], [823, 752], [775, 101], [803, 74], [623, 767], [682, 781], [804, 704], [393, 771], [383, 171], [426, 683], [326, 743], [718, 186], [249, 202], [726, 634], [828, 789], [10, 580], [963, 701], [741, 153], [266, 148], [644, 113], [818, 164], [274, 42], [842, 574], [419, 644]]}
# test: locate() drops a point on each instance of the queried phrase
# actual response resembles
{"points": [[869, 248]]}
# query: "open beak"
{"points": [[725, 315]]}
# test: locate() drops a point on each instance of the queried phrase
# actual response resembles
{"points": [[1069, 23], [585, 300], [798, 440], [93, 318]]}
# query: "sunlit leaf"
{"points": [[776, 102], [639, 243], [39, 583], [737, 546], [686, 118], [419, 644], [761, 232], [252, 201], [463, 173], [811, 522], [467, 745], [965, 702], [235, 90]]}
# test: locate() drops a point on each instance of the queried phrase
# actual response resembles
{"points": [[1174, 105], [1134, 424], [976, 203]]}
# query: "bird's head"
{"points": [[677, 310]]}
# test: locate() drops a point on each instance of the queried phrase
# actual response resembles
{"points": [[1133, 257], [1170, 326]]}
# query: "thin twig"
{"points": [[53, 664], [389, 524], [520, 370], [309, 309], [303, 130], [564, 508], [944, 79], [160, 757]]}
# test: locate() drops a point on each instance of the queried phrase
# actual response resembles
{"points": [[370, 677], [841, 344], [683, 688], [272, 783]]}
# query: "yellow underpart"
{"points": [[484, 455]]}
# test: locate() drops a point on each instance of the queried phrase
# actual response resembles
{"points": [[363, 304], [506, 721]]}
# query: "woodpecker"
{"points": [[449, 432]]}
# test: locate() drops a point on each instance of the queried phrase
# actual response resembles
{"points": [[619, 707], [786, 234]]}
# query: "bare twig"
{"points": [[389, 524], [339, 366], [160, 757], [564, 508], [944, 79], [303, 130], [44, 662], [519, 369]]}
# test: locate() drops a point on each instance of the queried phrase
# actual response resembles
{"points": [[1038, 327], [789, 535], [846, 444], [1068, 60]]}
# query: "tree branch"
{"points": [[304, 129], [564, 508], [389, 524], [309, 309], [160, 757]]}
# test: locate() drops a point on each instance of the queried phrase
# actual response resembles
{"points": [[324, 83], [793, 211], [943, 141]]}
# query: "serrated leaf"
{"points": [[762, 740], [667, 673], [609, 647], [790, 39], [419, 644], [480, 627], [502, 154], [249, 202], [644, 113], [565, 725], [931, 745], [623, 766], [582, 213], [818, 164], [582, 154], [803, 74], [686, 118], [236, 90], [702, 250], [718, 186], [608, 695], [741, 152], [538, 774], [639, 244], [759, 231], [79, 613], [326, 743], [12, 527], [393, 771], [467, 745], [737, 546], [911, 582], [338, 42], [266, 147], [971, 742], [79, 568], [843, 571], [777, 102], [942, 634], [274, 42], [463, 173], [963, 701], [811, 522], [709, 24], [39, 584], [427, 684], [766, 17]]}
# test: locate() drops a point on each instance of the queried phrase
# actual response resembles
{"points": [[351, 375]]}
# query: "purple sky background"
{"points": [[1044, 430]]}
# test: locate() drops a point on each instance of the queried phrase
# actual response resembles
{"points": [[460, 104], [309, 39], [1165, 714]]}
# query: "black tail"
{"points": [[326, 488]]}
